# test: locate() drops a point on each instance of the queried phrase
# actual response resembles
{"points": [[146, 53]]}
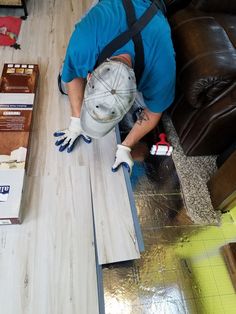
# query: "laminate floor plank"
{"points": [[48, 263], [115, 233], [40, 266], [114, 226]]}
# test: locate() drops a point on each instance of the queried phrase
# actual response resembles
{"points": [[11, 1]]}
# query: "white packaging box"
{"points": [[11, 186]]}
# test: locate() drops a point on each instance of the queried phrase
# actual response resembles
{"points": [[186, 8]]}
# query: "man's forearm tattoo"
{"points": [[142, 117]]}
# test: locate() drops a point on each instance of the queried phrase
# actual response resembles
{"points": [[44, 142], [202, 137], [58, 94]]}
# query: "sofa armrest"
{"points": [[206, 58], [224, 6], [207, 78]]}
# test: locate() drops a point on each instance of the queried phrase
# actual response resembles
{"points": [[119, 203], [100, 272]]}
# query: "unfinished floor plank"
{"points": [[48, 263], [114, 227]]}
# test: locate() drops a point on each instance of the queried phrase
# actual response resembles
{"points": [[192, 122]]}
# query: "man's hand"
{"points": [[68, 138], [123, 157]]}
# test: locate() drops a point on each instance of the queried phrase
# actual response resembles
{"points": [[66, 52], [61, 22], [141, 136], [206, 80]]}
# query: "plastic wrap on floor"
{"points": [[157, 192], [151, 285], [160, 282], [155, 175]]}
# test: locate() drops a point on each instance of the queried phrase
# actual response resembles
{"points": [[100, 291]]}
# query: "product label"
{"points": [[4, 192], [15, 118]]}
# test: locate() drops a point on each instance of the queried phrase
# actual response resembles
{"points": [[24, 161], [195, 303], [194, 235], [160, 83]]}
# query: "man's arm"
{"points": [[66, 139], [145, 123], [75, 90]]}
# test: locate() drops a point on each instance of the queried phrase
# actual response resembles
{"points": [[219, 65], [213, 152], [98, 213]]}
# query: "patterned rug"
{"points": [[193, 173]]}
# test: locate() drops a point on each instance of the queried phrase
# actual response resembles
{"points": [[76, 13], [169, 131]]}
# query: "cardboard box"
{"points": [[17, 100]]}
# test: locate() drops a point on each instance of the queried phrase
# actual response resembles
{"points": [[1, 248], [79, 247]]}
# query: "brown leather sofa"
{"points": [[204, 112]]}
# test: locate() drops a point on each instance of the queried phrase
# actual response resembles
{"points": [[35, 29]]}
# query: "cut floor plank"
{"points": [[115, 233], [48, 263]]}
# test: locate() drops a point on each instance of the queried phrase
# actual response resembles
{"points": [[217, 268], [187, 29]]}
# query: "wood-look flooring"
{"points": [[115, 234], [47, 264], [37, 257]]}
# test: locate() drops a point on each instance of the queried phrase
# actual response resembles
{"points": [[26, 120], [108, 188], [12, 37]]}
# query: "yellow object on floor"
{"points": [[210, 288]]}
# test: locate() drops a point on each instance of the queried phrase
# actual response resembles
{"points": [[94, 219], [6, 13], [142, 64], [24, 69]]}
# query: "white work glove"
{"points": [[123, 157], [68, 138]]}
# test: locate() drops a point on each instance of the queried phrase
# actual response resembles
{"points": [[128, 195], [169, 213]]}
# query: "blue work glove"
{"points": [[67, 138], [123, 157]]}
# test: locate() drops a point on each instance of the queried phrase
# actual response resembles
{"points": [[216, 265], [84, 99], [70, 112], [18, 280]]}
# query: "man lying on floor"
{"points": [[102, 93]]}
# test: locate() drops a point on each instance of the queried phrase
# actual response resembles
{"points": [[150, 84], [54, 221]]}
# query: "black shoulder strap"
{"points": [[137, 40], [161, 5], [124, 37]]}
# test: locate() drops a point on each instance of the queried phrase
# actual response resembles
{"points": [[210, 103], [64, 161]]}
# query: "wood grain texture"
{"points": [[114, 227], [47, 265]]}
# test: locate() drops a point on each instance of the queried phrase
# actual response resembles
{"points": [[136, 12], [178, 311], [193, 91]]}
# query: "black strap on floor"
{"points": [[124, 37]]}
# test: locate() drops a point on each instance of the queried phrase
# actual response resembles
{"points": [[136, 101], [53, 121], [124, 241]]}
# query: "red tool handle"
{"points": [[162, 141]]}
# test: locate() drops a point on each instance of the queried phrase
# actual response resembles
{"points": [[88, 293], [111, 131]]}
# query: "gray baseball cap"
{"points": [[109, 94]]}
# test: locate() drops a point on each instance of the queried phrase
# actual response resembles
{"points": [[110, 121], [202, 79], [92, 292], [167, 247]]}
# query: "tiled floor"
{"points": [[182, 269]]}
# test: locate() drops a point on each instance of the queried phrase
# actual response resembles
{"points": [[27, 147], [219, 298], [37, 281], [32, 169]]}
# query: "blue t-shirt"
{"points": [[106, 21]]}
